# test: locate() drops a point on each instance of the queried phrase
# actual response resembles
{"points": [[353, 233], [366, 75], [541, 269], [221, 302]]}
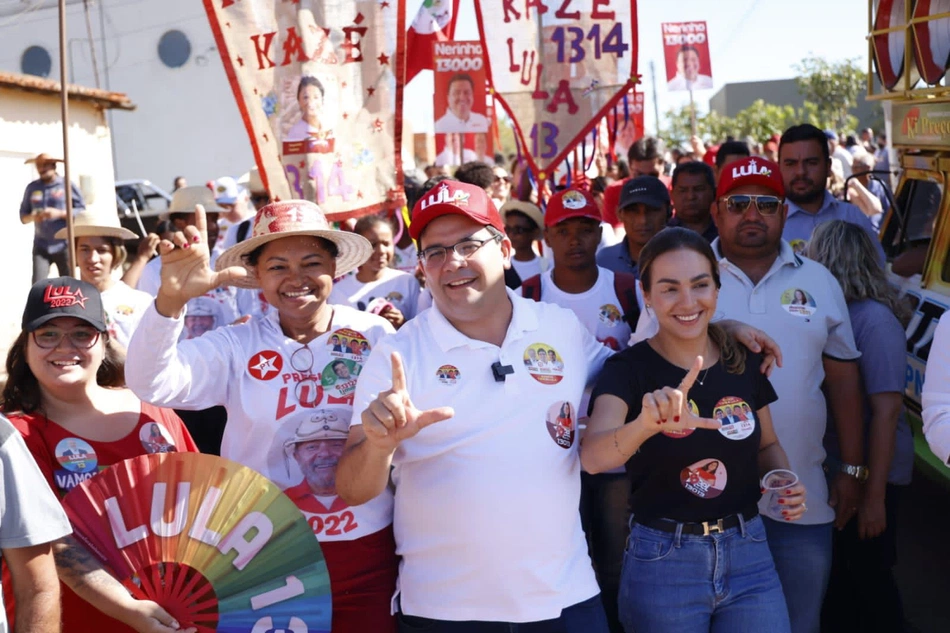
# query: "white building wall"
{"points": [[187, 122], [30, 124]]}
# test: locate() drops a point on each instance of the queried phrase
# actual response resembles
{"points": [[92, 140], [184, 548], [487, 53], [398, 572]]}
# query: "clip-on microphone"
{"points": [[500, 371]]}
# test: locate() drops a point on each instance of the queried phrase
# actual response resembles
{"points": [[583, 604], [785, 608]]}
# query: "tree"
{"points": [[759, 121], [833, 88]]}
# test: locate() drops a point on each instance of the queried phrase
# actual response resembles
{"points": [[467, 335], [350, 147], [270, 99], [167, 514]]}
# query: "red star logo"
{"points": [[240, 61], [265, 364], [371, 90], [383, 58], [384, 5], [302, 164]]}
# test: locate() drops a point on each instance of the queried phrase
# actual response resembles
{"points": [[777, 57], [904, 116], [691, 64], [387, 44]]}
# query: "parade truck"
{"points": [[909, 54]]}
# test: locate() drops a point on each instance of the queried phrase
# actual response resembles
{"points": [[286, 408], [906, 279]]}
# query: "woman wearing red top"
{"points": [[65, 395]]}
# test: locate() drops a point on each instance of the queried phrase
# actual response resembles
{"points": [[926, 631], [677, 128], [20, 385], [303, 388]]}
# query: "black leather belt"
{"points": [[704, 528]]}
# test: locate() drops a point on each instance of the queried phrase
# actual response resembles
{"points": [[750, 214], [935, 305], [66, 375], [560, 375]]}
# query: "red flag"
{"points": [[435, 22]]}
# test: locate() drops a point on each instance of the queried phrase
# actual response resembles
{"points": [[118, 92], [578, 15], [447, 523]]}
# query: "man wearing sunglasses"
{"points": [[760, 276]]}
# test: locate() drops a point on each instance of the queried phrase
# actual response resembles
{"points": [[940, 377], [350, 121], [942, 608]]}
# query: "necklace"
{"points": [[701, 381]]}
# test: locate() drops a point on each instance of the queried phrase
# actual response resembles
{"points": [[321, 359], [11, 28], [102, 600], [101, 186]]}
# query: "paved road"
{"points": [[923, 557]]}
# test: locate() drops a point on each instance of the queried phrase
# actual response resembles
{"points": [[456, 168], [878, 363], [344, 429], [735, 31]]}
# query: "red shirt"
{"points": [[67, 459], [612, 199]]}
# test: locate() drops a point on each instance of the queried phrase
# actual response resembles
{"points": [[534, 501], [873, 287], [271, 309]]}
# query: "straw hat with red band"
{"points": [[289, 218], [570, 203], [451, 197], [754, 170], [88, 224]]}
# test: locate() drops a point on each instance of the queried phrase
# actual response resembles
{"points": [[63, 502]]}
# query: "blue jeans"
{"points": [[583, 617], [721, 583], [802, 555]]}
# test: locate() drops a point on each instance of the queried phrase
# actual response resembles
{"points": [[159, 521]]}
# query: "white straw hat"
{"points": [[185, 199], [289, 218], [89, 224]]}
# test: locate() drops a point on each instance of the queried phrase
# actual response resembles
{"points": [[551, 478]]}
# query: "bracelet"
{"points": [[617, 444]]}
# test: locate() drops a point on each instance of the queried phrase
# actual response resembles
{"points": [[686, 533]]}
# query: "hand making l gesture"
{"points": [[667, 409]]}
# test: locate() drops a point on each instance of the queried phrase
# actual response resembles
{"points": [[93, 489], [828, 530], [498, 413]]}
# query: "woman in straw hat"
{"points": [[100, 251], [274, 373], [65, 397]]}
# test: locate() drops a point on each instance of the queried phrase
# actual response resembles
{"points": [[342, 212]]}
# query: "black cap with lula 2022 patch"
{"points": [[63, 297]]}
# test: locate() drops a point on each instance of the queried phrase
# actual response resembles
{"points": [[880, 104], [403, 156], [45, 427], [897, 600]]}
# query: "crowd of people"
{"points": [[503, 409]]}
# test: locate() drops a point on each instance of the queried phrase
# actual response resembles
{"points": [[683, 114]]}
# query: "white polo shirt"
{"points": [[486, 515], [806, 332], [935, 396]]}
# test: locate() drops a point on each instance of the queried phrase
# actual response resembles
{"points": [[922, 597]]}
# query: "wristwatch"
{"points": [[858, 472]]}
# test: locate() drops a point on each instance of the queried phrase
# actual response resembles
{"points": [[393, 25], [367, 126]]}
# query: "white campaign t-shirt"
{"points": [[486, 516], [124, 307], [268, 392], [527, 270], [398, 288], [405, 259]]}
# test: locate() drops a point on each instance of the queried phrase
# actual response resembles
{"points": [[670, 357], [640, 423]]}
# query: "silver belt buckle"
{"points": [[714, 527]]}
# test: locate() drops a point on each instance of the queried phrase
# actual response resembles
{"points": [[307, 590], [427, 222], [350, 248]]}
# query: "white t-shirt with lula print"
{"points": [[398, 288], [124, 307]]}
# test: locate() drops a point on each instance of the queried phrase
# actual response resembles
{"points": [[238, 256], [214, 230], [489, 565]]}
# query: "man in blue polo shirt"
{"points": [[44, 204], [805, 162]]}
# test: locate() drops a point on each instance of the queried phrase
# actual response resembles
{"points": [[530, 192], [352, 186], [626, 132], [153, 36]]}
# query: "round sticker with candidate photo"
{"points": [[76, 455], [684, 432], [155, 438], [738, 420], [562, 424], [544, 363], [706, 478], [799, 302], [339, 377], [447, 374], [347, 343], [609, 314]]}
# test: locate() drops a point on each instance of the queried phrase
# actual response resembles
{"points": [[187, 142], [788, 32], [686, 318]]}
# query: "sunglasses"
{"points": [[765, 205]]}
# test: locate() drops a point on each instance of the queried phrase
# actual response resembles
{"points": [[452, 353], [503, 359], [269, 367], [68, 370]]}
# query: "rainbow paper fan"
{"points": [[215, 543]]}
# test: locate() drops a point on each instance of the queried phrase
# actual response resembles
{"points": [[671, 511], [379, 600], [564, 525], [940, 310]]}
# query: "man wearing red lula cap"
{"points": [[487, 491], [800, 304]]}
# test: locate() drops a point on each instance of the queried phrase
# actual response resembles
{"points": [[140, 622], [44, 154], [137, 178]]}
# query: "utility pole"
{"points": [[656, 104]]}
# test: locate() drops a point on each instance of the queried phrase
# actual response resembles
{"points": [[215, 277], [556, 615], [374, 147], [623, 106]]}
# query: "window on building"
{"points": [[36, 61], [174, 49]]}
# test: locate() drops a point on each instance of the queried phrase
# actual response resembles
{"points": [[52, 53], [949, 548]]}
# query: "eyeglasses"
{"points": [[302, 362], [766, 205], [81, 338], [435, 255], [518, 230]]}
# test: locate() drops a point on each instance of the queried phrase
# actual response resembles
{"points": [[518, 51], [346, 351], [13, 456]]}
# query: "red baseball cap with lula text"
{"points": [[451, 197], [570, 203], [753, 170]]}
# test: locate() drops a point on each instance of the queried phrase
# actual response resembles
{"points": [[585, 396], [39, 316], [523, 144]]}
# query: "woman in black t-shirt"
{"points": [[696, 559]]}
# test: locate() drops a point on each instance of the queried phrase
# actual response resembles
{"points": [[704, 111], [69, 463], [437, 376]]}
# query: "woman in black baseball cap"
{"points": [[66, 396]]}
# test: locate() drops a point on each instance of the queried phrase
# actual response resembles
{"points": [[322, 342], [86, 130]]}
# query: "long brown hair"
{"points": [[671, 239], [22, 391]]}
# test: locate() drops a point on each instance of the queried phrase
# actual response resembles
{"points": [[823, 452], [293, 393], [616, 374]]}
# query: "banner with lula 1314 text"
{"points": [[558, 67], [316, 84]]}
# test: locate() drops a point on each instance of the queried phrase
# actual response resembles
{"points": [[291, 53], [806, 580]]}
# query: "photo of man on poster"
{"points": [[459, 115]]}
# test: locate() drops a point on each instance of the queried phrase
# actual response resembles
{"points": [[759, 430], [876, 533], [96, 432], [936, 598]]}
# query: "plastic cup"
{"points": [[775, 483]]}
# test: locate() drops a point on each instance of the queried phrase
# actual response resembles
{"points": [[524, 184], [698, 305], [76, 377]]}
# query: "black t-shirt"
{"points": [[700, 475]]}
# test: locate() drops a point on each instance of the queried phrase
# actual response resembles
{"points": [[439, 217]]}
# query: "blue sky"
{"points": [[750, 40]]}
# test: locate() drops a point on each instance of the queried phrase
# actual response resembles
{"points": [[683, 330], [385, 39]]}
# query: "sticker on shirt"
{"points": [[561, 424], [799, 302], [76, 455], [447, 374], [346, 343], [265, 365], [609, 314], [78, 461], [685, 432], [738, 421], [156, 439], [544, 363], [339, 379], [706, 478], [798, 246]]}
